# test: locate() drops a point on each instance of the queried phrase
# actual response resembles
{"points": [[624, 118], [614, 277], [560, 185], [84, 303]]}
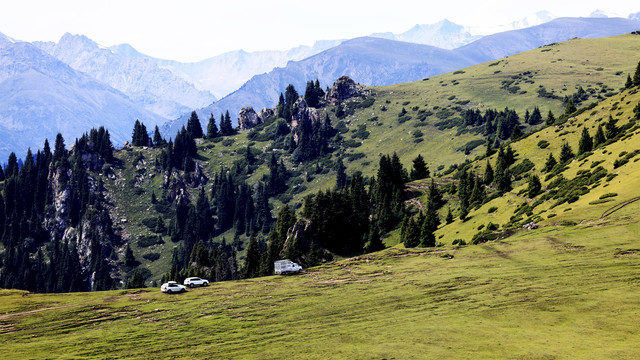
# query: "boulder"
{"points": [[247, 118]]}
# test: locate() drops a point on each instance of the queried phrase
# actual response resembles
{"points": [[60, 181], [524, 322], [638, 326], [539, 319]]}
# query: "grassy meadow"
{"points": [[553, 292]]}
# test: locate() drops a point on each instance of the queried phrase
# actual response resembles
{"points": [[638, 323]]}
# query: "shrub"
{"points": [[608, 195], [149, 240], [151, 256], [492, 209], [543, 144]]}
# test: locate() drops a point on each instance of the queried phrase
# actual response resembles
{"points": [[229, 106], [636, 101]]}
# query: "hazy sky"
{"points": [[191, 30]]}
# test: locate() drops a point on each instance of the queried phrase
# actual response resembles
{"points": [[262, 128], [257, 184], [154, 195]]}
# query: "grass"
{"points": [[554, 292]]}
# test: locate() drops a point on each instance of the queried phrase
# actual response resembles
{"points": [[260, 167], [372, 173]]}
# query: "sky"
{"points": [[192, 30]]}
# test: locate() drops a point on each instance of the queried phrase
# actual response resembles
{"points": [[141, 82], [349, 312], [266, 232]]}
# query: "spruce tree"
{"points": [[488, 174], [374, 239], [251, 267], [599, 138], [570, 108], [193, 126], [536, 117], [566, 153], [636, 76], [586, 142], [157, 138], [629, 82], [550, 163], [610, 128], [550, 118], [534, 186], [212, 129], [341, 176], [419, 169]]}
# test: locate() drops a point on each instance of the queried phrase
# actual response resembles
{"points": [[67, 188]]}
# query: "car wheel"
{"points": [[206, 284], [183, 290], [191, 285], [168, 291]]}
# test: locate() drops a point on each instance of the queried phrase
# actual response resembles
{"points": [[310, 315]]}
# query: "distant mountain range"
{"points": [[225, 73], [147, 84], [448, 35], [376, 61], [41, 96]]}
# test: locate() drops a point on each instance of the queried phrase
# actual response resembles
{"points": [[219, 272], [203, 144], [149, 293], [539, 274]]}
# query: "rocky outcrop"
{"points": [[175, 186], [247, 118], [303, 114], [197, 177], [344, 88], [298, 237]]}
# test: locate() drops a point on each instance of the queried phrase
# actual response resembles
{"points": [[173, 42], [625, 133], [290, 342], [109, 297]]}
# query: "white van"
{"points": [[286, 267]]}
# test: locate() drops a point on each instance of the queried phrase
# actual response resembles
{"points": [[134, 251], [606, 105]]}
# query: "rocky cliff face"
{"points": [[344, 88]]}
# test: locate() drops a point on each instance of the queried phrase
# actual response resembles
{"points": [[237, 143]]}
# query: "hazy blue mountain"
{"points": [[148, 85], [367, 60], [226, 72], [41, 96], [635, 16], [561, 29]]}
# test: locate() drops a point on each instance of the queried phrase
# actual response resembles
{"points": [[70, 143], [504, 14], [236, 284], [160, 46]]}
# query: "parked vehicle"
{"points": [[286, 267], [172, 287], [195, 281]]}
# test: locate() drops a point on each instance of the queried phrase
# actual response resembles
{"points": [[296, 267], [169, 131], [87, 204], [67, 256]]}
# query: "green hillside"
{"points": [[518, 270], [599, 66], [555, 292]]}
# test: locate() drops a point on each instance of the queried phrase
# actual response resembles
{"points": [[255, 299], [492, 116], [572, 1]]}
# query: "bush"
{"points": [[608, 195], [492, 209], [149, 240], [543, 144], [151, 256], [459, 242]]}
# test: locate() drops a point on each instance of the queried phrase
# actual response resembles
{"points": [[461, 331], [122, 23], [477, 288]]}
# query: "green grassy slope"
{"points": [[600, 65], [624, 184], [555, 292], [594, 64]]}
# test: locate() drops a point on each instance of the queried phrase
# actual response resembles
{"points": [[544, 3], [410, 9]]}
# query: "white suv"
{"points": [[195, 281], [172, 287]]}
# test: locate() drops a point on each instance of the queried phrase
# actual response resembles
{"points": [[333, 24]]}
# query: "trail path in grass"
{"points": [[613, 209]]}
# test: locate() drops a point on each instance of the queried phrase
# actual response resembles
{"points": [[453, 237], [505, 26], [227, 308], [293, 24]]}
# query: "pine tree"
{"points": [[536, 117], [449, 218], [610, 128], [586, 142], [59, 152], [550, 163], [488, 174], [429, 225], [157, 138], [193, 126], [570, 108], [550, 118], [410, 232], [534, 186], [629, 82], [341, 176], [599, 138], [251, 267], [636, 76], [212, 129], [419, 169], [566, 153], [374, 239]]}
